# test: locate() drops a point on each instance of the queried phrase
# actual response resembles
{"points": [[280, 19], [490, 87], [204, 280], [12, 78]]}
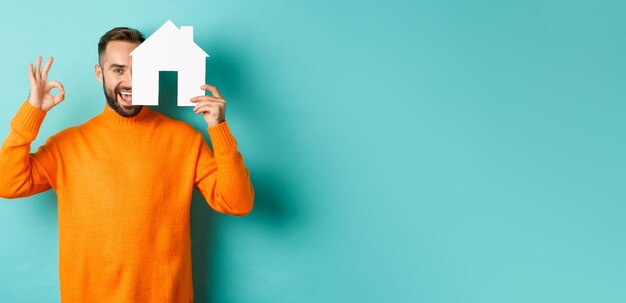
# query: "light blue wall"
{"points": [[451, 151]]}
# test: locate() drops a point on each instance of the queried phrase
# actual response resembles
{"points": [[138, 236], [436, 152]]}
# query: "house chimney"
{"points": [[187, 33]]}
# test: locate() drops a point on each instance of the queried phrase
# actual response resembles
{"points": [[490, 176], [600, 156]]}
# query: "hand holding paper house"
{"points": [[168, 49]]}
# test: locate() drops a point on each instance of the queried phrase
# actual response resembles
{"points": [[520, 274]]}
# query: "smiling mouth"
{"points": [[127, 97]]}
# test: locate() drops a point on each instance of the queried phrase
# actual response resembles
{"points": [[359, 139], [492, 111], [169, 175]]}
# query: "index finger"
{"points": [[46, 68], [213, 90]]}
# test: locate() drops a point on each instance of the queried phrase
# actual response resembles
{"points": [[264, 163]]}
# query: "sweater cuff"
{"points": [[221, 137], [28, 120]]}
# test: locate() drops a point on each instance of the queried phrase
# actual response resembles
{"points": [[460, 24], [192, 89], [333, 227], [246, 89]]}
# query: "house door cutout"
{"points": [[168, 88]]}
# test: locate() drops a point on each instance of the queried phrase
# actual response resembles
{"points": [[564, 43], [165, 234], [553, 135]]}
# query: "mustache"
{"points": [[123, 88]]}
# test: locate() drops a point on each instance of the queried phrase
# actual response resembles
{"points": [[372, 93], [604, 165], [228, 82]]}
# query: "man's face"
{"points": [[115, 74]]}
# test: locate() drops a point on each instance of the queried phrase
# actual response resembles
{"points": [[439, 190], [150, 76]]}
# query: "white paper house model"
{"points": [[168, 49]]}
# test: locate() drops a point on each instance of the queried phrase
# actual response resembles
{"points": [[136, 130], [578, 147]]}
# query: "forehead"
{"points": [[118, 52]]}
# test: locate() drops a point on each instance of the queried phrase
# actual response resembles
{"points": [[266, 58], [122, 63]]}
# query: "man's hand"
{"points": [[213, 108], [40, 88]]}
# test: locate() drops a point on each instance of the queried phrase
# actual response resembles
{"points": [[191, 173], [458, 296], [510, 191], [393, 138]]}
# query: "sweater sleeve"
{"points": [[221, 176], [23, 173]]}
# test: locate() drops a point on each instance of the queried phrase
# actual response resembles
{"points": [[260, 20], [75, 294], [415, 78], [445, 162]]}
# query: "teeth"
{"points": [[128, 94]]}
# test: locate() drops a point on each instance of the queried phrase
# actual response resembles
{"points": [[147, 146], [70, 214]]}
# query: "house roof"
{"points": [[171, 37]]}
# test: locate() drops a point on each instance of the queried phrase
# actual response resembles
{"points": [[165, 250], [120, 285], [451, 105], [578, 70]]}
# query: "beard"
{"points": [[112, 95]]}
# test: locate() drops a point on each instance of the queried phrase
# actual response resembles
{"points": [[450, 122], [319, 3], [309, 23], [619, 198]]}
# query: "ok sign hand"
{"points": [[40, 88]]}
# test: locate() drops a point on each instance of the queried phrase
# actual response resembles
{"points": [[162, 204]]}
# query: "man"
{"points": [[124, 181]]}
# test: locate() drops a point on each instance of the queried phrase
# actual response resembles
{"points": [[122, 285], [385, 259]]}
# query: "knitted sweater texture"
{"points": [[124, 188]]}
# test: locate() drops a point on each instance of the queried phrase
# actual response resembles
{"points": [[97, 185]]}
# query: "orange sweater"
{"points": [[124, 189]]}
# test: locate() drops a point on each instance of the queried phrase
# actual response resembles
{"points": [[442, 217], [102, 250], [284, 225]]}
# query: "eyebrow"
{"points": [[117, 65]]}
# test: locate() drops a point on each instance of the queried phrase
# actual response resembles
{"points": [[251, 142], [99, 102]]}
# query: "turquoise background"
{"points": [[444, 151]]}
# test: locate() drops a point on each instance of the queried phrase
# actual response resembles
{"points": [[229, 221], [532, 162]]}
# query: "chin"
{"points": [[124, 105]]}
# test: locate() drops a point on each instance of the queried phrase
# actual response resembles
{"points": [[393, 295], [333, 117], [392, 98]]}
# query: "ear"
{"points": [[98, 72]]}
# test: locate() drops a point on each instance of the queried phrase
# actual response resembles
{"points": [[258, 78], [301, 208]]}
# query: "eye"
{"points": [[117, 70]]}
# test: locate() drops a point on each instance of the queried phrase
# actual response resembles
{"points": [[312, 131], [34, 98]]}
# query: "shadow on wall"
{"points": [[270, 208]]}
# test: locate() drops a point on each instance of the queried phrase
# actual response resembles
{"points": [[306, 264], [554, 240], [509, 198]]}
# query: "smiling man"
{"points": [[115, 66], [124, 181]]}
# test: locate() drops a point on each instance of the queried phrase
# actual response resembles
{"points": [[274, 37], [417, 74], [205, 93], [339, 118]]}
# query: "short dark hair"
{"points": [[119, 34]]}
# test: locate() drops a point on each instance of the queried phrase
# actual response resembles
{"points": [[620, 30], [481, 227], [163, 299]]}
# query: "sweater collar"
{"points": [[112, 118]]}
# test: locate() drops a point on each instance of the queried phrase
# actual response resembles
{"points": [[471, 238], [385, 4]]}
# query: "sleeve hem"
{"points": [[221, 137], [28, 119]]}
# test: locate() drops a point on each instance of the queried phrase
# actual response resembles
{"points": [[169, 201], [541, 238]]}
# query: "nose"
{"points": [[128, 77]]}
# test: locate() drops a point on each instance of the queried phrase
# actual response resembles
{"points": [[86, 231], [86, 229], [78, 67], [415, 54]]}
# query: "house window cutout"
{"points": [[168, 49]]}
